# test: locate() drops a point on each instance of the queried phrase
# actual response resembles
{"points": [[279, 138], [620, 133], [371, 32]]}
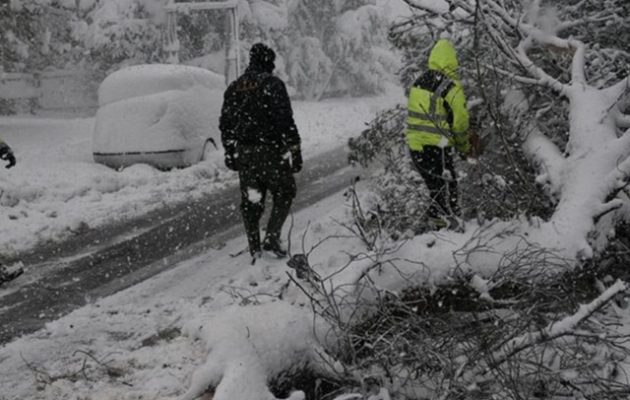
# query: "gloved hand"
{"points": [[231, 161], [296, 159], [7, 154]]}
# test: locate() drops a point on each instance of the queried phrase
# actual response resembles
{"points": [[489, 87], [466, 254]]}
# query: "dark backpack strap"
{"points": [[443, 88]]}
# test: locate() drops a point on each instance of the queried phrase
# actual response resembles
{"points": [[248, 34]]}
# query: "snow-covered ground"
{"points": [[56, 190], [121, 333], [152, 340], [128, 346], [214, 317]]}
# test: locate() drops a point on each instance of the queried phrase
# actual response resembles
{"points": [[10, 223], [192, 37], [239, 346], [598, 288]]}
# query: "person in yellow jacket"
{"points": [[437, 123]]}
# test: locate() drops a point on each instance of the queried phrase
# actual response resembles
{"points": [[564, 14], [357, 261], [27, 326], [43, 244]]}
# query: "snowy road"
{"points": [[102, 262]]}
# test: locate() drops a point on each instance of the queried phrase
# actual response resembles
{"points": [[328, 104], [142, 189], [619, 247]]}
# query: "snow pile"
{"points": [[248, 346], [158, 114]]}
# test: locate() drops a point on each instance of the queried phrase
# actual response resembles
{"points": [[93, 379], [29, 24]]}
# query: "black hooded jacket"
{"points": [[257, 114]]}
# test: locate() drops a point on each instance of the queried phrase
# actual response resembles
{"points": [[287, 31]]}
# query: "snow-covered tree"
{"points": [[326, 47], [322, 47], [122, 32], [35, 34], [354, 58]]}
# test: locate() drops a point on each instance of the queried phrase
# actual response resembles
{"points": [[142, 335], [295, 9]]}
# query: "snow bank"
{"points": [[157, 114]]}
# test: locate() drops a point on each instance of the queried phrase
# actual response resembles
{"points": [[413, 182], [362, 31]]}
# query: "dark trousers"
{"points": [[432, 163], [259, 173]]}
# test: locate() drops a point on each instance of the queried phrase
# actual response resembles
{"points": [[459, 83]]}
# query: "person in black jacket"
{"points": [[6, 154], [262, 143]]}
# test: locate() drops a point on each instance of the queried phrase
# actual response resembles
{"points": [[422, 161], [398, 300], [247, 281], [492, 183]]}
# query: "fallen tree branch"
{"points": [[553, 331], [607, 208]]}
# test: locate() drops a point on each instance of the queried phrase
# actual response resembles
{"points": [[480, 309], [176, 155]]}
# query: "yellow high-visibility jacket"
{"points": [[437, 113]]}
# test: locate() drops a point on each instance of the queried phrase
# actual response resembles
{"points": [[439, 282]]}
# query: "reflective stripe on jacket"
{"points": [[437, 113]]}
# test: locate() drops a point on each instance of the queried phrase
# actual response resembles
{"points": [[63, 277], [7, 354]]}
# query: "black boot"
{"points": [[250, 219], [272, 244], [254, 246], [7, 275], [253, 242]]}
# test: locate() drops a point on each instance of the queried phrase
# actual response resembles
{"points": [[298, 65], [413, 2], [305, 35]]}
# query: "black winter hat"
{"points": [[261, 55]]}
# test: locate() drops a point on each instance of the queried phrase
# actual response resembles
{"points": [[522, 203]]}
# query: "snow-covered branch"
{"points": [[556, 329], [622, 120], [607, 208], [511, 75], [619, 177], [548, 156], [601, 17], [621, 109], [504, 15], [438, 7], [620, 90], [577, 66], [543, 78], [471, 370]]}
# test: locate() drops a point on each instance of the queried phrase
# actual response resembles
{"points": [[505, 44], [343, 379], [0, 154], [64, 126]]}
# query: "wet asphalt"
{"points": [[62, 277]]}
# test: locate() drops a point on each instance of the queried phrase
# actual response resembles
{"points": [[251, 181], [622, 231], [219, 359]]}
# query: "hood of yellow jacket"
{"points": [[443, 58]]}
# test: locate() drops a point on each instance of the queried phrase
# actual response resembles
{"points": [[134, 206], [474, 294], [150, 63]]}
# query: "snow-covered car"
{"points": [[162, 115]]}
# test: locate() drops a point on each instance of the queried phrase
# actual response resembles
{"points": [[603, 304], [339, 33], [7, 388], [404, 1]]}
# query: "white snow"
{"points": [[269, 15], [394, 9], [144, 80], [254, 195], [112, 15], [236, 333], [239, 349], [205, 298], [56, 189], [217, 321]]}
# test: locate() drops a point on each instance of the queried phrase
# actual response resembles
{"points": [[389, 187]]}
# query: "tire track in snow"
{"points": [[104, 261]]}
